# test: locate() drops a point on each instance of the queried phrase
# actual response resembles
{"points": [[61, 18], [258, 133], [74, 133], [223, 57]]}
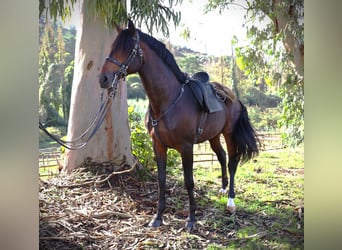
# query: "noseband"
{"points": [[122, 72]]}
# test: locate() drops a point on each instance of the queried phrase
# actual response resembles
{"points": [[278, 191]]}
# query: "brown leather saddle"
{"points": [[204, 92]]}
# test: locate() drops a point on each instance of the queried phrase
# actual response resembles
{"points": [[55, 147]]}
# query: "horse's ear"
{"points": [[118, 28], [131, 27]]}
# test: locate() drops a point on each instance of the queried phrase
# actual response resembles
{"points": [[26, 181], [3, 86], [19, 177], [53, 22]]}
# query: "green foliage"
{"points": [[135, 89], [56, 52], [254, 97], [266, 56], [154, 14], [191, 63], [219, 69], [264, 119], [141, 141], [56, 8], [293, 111]]}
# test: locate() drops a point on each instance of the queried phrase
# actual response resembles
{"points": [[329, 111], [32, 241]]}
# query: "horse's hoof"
{"points": [[190, 225], [231, 209], [155, 223]]}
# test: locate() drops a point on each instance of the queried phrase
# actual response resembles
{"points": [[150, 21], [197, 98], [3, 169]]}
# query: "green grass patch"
{"points": [[48, 172], [269, 199]]}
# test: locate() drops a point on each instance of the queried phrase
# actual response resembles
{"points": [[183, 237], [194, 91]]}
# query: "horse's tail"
{"points": [[245, 137]]}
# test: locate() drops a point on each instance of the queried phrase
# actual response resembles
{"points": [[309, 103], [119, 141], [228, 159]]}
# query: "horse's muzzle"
{"points": [[105, 80]]}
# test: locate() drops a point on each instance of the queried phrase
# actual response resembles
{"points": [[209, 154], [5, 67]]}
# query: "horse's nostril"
{"points": [[103, 81]]}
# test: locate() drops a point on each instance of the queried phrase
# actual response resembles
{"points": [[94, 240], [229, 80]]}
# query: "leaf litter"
{"points": [[85, 209]]}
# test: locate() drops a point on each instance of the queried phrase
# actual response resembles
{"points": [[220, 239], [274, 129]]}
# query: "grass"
{"points": [[48, 172], [269, 200]]}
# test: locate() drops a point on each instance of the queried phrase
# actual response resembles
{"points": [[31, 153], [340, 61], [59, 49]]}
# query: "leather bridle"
{"points": [[122, 72]]}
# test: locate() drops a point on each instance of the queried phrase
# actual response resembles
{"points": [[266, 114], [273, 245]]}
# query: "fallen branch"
{"points": [[118, 173], [110, 213], [76, 185], [285, 201], [57, 238], [100, 215], [97, 182], [257, 235]]}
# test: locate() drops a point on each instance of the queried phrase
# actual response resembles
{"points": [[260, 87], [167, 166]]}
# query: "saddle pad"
{"points": [[205, 95]]}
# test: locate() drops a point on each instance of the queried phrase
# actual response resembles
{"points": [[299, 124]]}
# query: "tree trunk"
{"points": [[287, 14], [112, 141]]}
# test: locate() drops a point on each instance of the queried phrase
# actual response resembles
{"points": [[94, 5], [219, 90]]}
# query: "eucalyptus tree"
{"points": [[275, 30], [95, 34]]}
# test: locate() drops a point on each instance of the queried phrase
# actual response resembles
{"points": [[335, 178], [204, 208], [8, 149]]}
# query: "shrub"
{"points": [[142, 143]]}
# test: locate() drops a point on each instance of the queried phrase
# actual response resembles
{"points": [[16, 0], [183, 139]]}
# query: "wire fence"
{"points": [[51, 159]]}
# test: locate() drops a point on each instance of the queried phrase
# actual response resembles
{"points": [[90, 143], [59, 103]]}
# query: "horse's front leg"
{"points": [[187, 162], [160, 152]]}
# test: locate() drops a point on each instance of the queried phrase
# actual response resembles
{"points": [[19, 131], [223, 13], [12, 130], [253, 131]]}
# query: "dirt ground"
{"points": [[88, 210]]}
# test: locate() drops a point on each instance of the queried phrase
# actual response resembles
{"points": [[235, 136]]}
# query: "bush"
{"points": [[264, 119], [140, 140], [253, 97], [142, 143]]}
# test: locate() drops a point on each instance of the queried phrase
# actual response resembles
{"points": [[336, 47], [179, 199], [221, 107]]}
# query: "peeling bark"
{"points": [[113, 138]]}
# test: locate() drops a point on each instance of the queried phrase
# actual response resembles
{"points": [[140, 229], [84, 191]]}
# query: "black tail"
{"points": [[245, 137]]}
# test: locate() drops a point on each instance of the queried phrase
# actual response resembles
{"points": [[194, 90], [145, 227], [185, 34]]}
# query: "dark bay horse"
{"points": [[174, 116]]}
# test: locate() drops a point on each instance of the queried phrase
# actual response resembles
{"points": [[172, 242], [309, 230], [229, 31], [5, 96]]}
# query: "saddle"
{"points": [[204, 92]]}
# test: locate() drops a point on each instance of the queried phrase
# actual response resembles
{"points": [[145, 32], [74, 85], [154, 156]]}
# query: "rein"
{"points": [[95, 124], [80, 142]]}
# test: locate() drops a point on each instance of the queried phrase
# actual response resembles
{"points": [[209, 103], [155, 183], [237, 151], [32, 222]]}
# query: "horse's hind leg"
{"points": [[216, 146], [232, 166]]}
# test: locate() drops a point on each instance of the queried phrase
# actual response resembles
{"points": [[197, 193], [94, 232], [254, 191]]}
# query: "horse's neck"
{"points": [[160, 83]]}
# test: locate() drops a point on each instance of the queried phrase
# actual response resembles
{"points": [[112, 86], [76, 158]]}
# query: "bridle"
{"points": [[85, 137], [122, 72]]}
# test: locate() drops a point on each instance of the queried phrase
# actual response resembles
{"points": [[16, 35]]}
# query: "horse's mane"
{"points": [[123, 42], [164, 54], [126, 43]]}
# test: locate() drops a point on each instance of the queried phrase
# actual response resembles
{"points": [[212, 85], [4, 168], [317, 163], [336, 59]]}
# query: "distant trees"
{"points": [[191, 63], [56, 60], [275, 30], [135, 89]]}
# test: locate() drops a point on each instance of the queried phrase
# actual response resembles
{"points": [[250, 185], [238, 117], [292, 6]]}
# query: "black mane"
{"points": [[164, 54], [126, 43]]}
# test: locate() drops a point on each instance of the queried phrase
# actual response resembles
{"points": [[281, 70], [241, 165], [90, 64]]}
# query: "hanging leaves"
{"points": [[154, 14]]}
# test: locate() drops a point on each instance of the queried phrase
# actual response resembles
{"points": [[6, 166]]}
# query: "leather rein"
{"points": [[82, 140], [95, 124]]}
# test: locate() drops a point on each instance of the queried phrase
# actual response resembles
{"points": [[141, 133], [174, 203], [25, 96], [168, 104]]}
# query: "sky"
{"points": [[211, 33]]}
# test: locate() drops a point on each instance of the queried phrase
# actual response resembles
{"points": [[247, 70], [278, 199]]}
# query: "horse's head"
{"points": [[125, 57]]}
